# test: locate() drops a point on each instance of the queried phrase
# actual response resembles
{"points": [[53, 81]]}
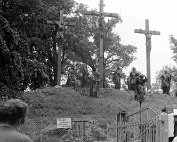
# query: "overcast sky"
{"points": [[162, 17]]}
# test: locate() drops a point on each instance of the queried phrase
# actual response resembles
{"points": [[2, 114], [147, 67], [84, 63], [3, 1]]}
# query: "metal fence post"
{"points": [[41, 132], [108, 132], [82, 130], [163, 127]]}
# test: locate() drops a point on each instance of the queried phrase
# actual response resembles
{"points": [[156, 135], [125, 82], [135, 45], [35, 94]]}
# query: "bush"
{"points": [[7, 93]]}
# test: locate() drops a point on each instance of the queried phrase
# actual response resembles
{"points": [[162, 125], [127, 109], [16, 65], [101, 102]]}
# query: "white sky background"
{"points": [[162, 17]]}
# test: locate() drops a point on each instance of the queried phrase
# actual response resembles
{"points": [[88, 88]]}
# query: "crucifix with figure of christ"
{"points": [[101, 15], [148, 35], [59, 35]]}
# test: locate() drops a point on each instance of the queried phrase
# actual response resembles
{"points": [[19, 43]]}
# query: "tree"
{"points": [[173, 43], [115, 53], [23, 18], [11, 60], [29, 46], [170, 70], [29, 20]]}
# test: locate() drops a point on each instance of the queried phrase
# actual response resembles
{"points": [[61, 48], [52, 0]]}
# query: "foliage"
{"points": [[173, 42], [27, 18], [115, 54], [28, 50], [170, 70], [11, 72]]}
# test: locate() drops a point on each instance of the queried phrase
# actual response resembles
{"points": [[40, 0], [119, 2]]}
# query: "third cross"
{"points": [[148, 35], [101, 15]]}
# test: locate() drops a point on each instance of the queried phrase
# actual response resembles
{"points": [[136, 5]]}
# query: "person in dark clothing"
{"points": [[117, 78], [165, 82], [12, 114], [132, 79]]}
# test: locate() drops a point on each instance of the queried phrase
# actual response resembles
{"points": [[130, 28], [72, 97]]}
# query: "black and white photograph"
{"points": [[88, 71]]}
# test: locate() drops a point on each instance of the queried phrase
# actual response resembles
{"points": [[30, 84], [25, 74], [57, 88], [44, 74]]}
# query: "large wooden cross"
{"points": [[101, 15], [59, 35], [148, 35]]}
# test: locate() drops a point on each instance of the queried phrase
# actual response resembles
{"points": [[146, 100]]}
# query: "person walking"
{"points": [[12, 114]]}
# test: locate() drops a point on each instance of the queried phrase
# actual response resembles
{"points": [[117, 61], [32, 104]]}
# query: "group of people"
{"points": [[165, 82], [137, 83], [85, 80], [136, 80], [133, 79]]}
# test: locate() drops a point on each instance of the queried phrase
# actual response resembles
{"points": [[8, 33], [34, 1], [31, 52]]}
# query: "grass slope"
{"points": [[66, 102]]}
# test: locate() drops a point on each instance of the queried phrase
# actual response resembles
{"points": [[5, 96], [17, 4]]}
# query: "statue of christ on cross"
{"points": [[148, 41]]}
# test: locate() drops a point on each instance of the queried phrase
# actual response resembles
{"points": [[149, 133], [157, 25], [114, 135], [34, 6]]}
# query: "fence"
{"points": [[142, 125], [45, 130]]}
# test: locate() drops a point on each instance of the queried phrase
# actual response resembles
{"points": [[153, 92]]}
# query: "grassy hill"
{"points": [[66, 102], [48, 104]]}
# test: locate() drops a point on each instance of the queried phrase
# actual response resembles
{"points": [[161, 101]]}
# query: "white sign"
{"points": [[64, 123]]}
